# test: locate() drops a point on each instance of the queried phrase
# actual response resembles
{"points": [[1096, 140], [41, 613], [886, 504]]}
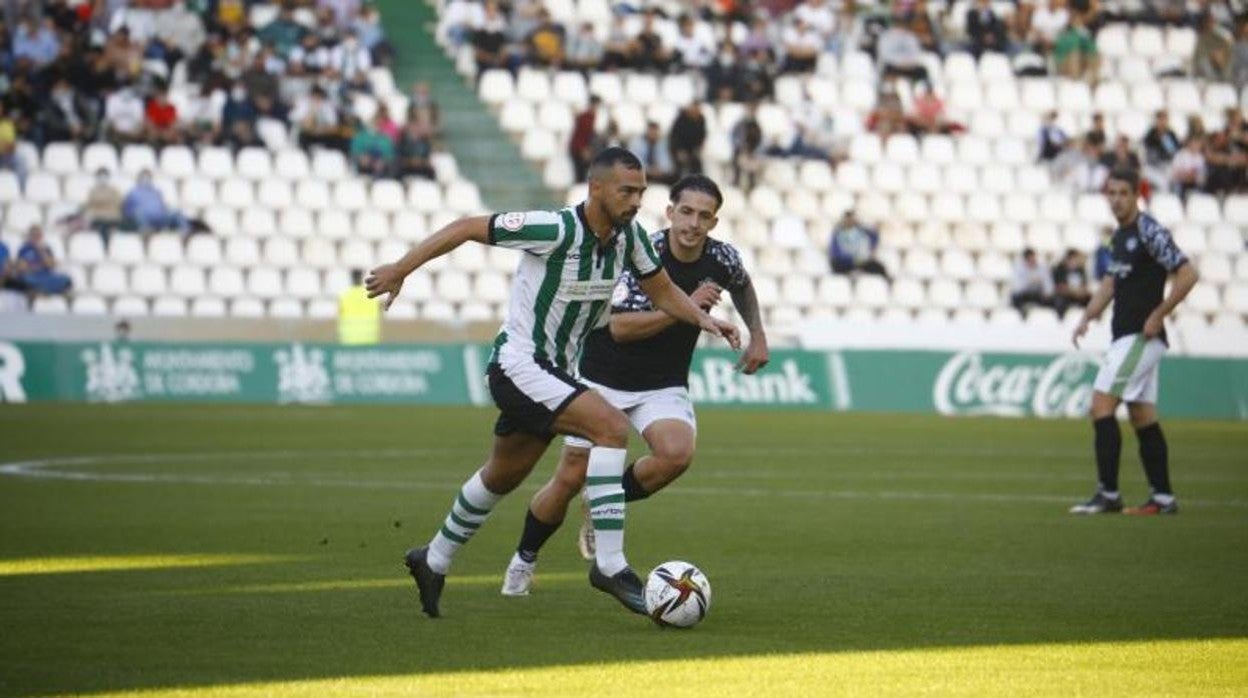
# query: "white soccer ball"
{"points": [[677, 594]]}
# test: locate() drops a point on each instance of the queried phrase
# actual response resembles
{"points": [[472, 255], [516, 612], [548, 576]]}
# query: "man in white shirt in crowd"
{"points": [[1032, 284]]}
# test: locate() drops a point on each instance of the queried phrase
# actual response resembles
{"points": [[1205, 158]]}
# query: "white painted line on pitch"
{"points": [[50, 468]]}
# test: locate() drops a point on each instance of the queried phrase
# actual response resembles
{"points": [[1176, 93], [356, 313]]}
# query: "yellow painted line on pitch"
{"points": [[1172, 667], [111, 563], [386, 583]]}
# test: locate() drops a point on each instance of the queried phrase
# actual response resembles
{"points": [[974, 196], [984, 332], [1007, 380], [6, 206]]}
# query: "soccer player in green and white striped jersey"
{"points": [[561, 290]]}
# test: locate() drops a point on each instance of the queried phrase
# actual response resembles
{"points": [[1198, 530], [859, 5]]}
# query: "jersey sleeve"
{"points": [[734, 270], [644, 260], [1160, 244], [531, 231], [628, 296]]}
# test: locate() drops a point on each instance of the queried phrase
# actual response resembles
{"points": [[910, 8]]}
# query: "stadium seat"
{"points": [[61, 159], [177, 161], [569, 87], [291, 164], [130, 307], [216, 162], [532, 85], [1112, 41], [208, 307], [538, 144], [982, 295], [236, 193], [1227, 239], [165, 249], [1038, 95], [912, 207], [109, 279], [170, 307], [1204, 298], [136, 158], [1045, 237], [198, 193], [516, 116], [84, 248], [495, 86], [254, 163], [148, 281], [866, 149], [275, 194], [957, 265], [607, 86], [944, 294], [88, 305], [1203, 209], [303, 283], [187, 281], [127, 249], [43, 188], [242, 251], [960, 178], [920, 263], [330, 165], [1166, 208], [938, 150], [97, 156]]}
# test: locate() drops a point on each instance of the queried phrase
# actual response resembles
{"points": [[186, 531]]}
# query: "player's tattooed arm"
{"points": [[388, 278], [670, 299], [756, 354], [1100, 300], [1185, 277]]}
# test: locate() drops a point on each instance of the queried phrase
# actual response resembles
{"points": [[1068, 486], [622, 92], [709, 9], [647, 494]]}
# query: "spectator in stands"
{"points": [[161, 122], [747, 149], [1047, 23], [1032, 284], [1160, 142], [202, 121], [927, 114], [887, 118], [36, 41], [1074, 52], [813, 135], [546, 41], [919, 22], [10, 280], [758, 38], [489, 42], [350, 60], [1225, 162], [1051, 139], [144, 209], [62, 116], [10, 159], [585, 52], [1087, 174], [415, 154], [124, 115], [984, 29], [181, 29], [1104, 253], [581, 138], [1196, 126], [372, 152], [317, 121], [458, 21], [820, 16], [386, 124], [899, 53], [1097, 131], [1070, 282], [802, 46], [618, 50], [341, 12], [284, 33], [367, 25], [1123, 156], [1187, 167], [102, 210], [655, 155], [1211, 58], [687, 136], [258, 79], [648, 51], [853, 247], [36, 267], [422, 107], [693, 49], [1239, 55]]}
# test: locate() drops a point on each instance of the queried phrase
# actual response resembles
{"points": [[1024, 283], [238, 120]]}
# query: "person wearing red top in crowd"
{"points": [[580, 144], [162, 120]]}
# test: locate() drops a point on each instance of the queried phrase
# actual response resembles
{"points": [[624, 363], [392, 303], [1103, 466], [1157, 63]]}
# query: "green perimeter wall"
{"points": [[964, 383]]}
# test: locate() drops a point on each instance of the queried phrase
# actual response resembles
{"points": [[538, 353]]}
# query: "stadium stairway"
{"points": [[485, 154]]}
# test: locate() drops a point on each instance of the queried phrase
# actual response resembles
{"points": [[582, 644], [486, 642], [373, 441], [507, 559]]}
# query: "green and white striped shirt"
{"points": [[563, 284]]}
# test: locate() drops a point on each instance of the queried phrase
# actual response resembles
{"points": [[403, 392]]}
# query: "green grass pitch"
{"points": [[209, 550]]}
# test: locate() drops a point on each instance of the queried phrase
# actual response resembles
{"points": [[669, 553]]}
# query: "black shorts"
{"points": [[530, 394]]}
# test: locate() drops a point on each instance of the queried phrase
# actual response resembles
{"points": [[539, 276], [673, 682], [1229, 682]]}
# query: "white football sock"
{"points": [[471, 508], [606, 506]]}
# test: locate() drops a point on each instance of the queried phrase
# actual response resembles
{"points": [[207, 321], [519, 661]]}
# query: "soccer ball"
{"points": [[677, 594]]}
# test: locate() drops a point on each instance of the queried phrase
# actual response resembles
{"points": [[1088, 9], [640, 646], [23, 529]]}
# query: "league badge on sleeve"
{"points": [[513, 221]]}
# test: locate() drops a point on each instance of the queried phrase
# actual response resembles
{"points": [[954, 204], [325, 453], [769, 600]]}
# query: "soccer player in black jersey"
{"points": [[1143, 255], [640, 362]]}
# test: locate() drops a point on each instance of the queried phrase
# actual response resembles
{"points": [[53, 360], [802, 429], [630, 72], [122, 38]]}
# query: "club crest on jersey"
{"points": [[1132, 243], [619, 295], [513, 221]]}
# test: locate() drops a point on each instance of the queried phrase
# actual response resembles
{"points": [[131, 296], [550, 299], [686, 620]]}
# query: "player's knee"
{"points": [[612, 431], [569, 481], [676, 458]]}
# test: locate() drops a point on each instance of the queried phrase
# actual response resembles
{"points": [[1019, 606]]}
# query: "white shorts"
{"points": [[1130, 369], [643, 408]]}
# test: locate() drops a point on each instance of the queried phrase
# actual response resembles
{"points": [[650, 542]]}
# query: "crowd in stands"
{"points": [[197, 72]]}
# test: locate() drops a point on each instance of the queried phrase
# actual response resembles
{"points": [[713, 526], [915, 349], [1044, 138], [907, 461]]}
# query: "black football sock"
{"points": [[1108, 450], [632, 488], [535, 535], [1155, 456]]}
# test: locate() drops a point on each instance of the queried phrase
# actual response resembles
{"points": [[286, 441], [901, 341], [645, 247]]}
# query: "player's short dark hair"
{"points": [[608, 158], [1129, 175], [697, 182]]}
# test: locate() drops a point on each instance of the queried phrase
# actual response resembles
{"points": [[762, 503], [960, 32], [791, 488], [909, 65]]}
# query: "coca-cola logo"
{"points": [[1016, 386]]}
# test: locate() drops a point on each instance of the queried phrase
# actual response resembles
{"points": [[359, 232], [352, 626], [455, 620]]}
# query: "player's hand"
{"points": [[1080, 330], [706, 296], [1153, 325], [720, 328], [385, 279], [755, 357]]}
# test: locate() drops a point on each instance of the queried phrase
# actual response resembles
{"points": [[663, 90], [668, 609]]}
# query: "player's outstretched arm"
{"points": [[756, 353], [670, 299], [1185, 277], [388, 278], [1100, 300], [636, 325]]}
